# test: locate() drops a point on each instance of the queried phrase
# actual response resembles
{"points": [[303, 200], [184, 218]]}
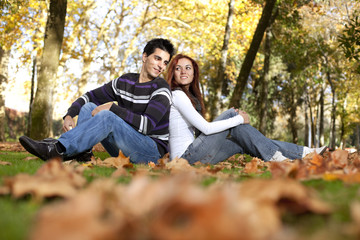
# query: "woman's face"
{"points": [[184, 72]]}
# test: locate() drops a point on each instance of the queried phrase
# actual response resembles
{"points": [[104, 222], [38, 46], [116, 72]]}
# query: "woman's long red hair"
{"points": [[194, 87]]}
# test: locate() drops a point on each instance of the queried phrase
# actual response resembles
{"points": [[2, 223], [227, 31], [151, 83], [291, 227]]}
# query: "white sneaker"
{"points": [[319, 150], [278, 157]]}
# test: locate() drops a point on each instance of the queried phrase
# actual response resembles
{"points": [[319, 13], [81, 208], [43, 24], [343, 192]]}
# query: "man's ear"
{"points": [[144, 57]]}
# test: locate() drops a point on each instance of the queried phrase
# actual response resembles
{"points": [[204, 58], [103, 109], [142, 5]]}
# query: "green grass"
{"points": [[17, 215], [331, 227]]}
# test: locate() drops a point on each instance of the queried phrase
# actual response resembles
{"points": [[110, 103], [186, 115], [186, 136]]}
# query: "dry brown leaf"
{"points": [[89, 215], [118, 162], [30, 158], [253, 166], [315, 166], [317, 160], [179, 165], [284, 169], [340, 158], [4, 190], [51, 179], [5, 163], [286, 193], [175, 208], [151, 164], [120, 172], [355, 214], [214, 170]]}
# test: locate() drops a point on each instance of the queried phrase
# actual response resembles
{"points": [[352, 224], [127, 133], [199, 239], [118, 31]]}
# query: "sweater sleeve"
{"points": [[184, 106], [98, 96]]}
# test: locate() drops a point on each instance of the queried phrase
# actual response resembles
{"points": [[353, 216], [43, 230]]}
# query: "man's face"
{"points": [[155, 63]]}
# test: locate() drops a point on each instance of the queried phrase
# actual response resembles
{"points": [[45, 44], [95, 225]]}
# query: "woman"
{"points": [[229, 134]]}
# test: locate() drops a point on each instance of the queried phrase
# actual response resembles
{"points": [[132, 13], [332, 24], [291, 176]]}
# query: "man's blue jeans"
{"points": [[114, 134], [241, 139]]}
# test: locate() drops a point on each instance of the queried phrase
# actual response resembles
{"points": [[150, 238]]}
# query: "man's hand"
{"points": [[105, 106], [68, 124], [244, 115]]}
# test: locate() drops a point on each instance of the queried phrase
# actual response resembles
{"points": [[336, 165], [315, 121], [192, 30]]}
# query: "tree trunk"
{"points": [[292, 123], [306, 133], [4, 61], [242, 79], [42, 108], [292, 118], [85, 76], [333, 113], [220, 82], [321, 120], [31, 95], [357, 137], [315, 128], [263, 99]]}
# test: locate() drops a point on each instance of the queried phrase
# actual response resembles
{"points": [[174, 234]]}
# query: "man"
{"points": [[137, 125]]}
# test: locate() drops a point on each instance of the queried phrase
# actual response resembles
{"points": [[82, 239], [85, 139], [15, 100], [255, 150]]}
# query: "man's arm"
{"points": [[98, 96], [156, 109]]}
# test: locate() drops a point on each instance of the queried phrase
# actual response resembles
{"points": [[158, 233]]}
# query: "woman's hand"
{"points": [[244, 115], [105, 106], [68, 124]]}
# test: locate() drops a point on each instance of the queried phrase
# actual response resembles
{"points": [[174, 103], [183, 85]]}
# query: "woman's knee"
{"points": [[227, 114]]}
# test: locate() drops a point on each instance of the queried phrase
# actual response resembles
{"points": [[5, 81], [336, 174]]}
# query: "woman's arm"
{"points": [[183, 104]]}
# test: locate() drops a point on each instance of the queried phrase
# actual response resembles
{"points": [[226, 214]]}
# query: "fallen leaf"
{"points": [[253, 166], [179, 165], [89, 215], [355, 215], [30, 158], [176, 207], [118, 161], [340, 158], [52, 179], [5, 163]]}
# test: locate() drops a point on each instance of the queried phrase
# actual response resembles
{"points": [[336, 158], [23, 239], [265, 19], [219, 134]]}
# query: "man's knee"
{"points": [[89, 106]]}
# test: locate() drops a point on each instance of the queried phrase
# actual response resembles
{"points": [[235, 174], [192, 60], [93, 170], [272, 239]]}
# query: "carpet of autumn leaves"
{"points": [[166, 200]]}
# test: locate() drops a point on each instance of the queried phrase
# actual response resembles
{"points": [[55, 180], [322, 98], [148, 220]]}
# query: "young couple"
{"points": [[138, 124]]}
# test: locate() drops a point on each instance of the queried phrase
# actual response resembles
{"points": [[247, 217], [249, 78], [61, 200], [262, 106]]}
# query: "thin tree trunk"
{"points": [[306, 133], [357, 137], [242, 79], [311, 120], [4, 61], [85, 75], [292, 118], [263, 99], [316, 128], [31, 95], [292, 123], [41, 117], [221, 80], [333, 113], [321, 120]]}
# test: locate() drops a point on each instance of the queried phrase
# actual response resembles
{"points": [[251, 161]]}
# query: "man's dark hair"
{"points": [[161, 43]]}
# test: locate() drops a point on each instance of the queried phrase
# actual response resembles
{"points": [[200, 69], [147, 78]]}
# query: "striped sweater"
{"points": [[144, 106]]}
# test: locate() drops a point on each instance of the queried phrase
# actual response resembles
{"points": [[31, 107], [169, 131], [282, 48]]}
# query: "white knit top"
{"points": [[184, 118]]}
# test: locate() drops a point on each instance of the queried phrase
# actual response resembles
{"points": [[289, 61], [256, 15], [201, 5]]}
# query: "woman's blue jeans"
{"points": [[243, 138], [114, 134]]}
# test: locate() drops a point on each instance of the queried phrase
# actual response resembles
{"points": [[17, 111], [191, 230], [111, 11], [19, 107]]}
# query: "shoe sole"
{"points": [[26, 142], [323, 150]]}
